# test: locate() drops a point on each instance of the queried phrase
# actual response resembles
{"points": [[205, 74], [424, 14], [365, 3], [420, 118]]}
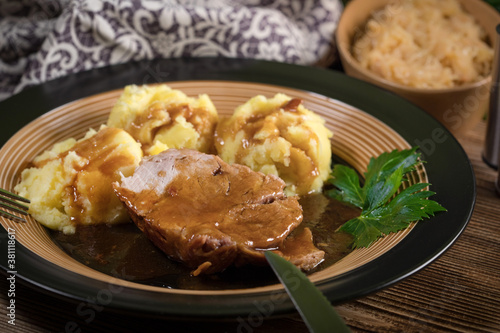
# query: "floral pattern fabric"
{"points": [[44, 39]]}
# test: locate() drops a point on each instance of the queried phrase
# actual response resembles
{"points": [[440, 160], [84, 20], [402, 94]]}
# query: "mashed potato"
{"points": [[424, 44], [160, 117], [70, 184], [278, 136]]}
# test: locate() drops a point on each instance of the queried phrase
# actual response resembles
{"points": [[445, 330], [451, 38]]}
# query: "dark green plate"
{"points": [[448, 168]]}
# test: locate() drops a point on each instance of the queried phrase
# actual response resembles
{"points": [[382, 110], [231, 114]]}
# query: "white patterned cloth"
{"points": [[44, 39]]}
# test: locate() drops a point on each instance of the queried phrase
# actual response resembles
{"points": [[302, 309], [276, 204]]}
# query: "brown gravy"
{"points": [[124, 252]]}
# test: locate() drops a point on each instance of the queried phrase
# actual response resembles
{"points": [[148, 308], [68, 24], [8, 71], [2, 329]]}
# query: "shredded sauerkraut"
{"points": [[424, 44]]}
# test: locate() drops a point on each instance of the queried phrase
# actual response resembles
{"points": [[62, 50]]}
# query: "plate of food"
{"points": [[156, 187]]}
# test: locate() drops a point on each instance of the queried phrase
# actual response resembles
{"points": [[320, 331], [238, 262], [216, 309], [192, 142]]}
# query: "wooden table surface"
{"points": [[459, 292]]}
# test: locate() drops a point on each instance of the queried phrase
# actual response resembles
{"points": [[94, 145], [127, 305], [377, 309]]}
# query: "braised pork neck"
{"points": [[208, 214]]}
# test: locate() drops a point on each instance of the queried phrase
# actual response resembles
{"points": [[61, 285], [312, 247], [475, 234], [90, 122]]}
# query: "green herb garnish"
{"points": [[382, 212]]}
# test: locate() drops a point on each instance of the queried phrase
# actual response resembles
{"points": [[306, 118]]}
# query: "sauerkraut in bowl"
{"points": [[424, 44], [435, 53]]}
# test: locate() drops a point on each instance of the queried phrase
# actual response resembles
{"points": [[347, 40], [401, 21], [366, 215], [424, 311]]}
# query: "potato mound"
{"points": [[278, 136], [160, 118], [71, 183]]}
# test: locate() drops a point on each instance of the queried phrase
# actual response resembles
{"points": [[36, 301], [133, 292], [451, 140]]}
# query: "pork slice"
{"points": [[206, 213], [300, 250]]}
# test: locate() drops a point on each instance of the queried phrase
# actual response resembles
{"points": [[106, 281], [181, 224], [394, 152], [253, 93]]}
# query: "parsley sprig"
{"points": [[382, 210]]}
